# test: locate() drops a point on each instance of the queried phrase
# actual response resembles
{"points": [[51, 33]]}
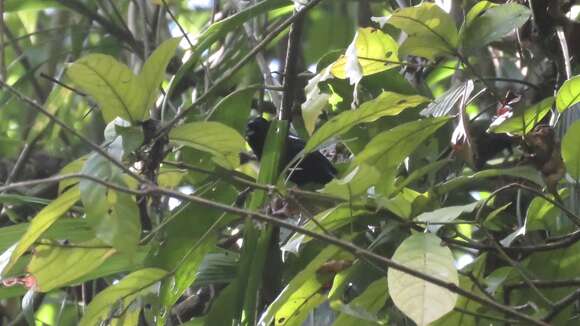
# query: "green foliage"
{"points": [[174, 221]]}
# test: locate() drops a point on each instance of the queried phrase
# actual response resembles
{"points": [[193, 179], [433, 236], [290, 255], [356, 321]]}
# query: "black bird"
{"points": [[314, 168]]}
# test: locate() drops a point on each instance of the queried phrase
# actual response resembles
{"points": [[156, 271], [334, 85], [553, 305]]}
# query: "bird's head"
{"points": [[256, 132]]}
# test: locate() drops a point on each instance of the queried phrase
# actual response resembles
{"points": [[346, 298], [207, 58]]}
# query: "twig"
{"points": [[561, 305], [58, 82]]}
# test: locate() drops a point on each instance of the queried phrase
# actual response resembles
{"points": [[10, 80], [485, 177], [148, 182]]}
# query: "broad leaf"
{"points": [[123, 292], [571, 150], [371, 50], [55, 266], [445, 214], [524, 123], [568, 94], [386, 104], [223, 142], [493, 24], [41, 222], [388, 149], [116, 89], [422, 301], [18, 5], [153, 73], [431, 31], [113, 215], [112, 85], [316, 101]]}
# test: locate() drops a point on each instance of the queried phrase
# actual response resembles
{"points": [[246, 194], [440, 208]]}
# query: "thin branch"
{"points": [[561, 305], [66, 127], [58, 82], [290, 70]]}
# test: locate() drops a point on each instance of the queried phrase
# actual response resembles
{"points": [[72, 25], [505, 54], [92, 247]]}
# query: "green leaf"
{"points": [[125, 291], [234, 109], [571, 150], [117, 91], [301, 290], [354, 183], [542, 214], [42, 222], [55, 266], [477, 10], [524, 123], [493, 24], [386, 104], [153, 73], [445, 103], [111, 83], [113, 215], [373, 50], [388, 149], [364, 307], [223, 142], [445, 214], [316, 101], [420, 300], [431, 31], [568, 94]]}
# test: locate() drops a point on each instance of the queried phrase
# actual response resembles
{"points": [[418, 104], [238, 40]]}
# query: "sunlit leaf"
{"points": [[568, 94], [223, 142], [422, 301], [493, 24], [364, 307], [445, 104], [41, 222], [445, 214], [373, 50], [316, 101], [54, 266], [431, 31], [571, 150], [125, 291], [386, 104], [153, 73]]}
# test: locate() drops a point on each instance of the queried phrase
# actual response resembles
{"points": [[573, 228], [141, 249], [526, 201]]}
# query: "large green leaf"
{"points": [[493, 24], [153, 73], [124, 292], [523, 123], [386, 104], [114, 216], [431, 31], [116, 89], [55, 266], [445, 214], [388, 149], [42, 222], [223, 142], [422, 301], [568, 94], [372, 50], [18, 5], [571, 150]]}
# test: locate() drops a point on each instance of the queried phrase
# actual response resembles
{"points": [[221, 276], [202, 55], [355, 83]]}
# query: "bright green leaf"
{"points": [[571, 150], [124, 292], [153, 73], [568, 94], [364, 307], [41, 222], [445, 214], [493, 24], [431, 31], [111, 83], [422, 301], [215, 138], [374, 51], [386, 104], [56, 266]]}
